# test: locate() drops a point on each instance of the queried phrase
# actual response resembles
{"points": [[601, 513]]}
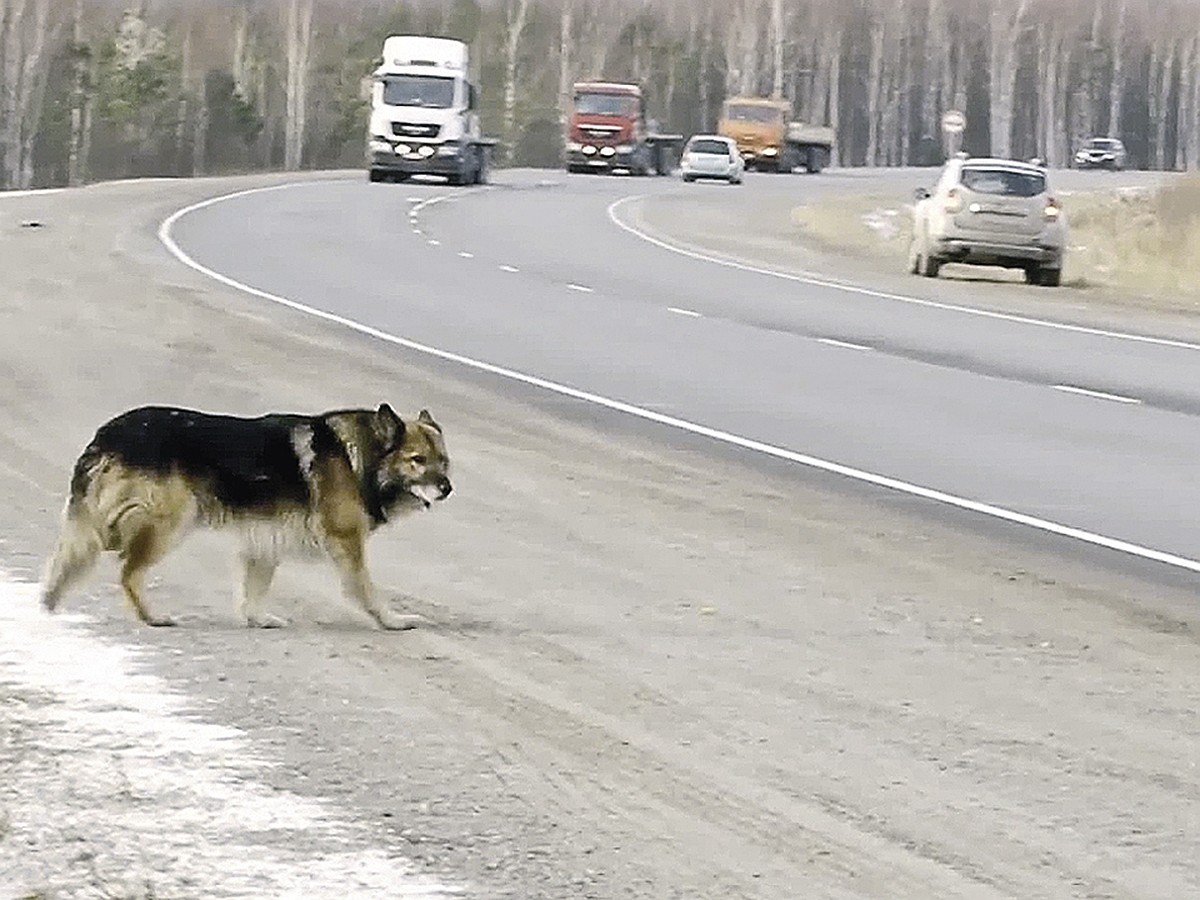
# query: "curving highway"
{"points": [[1079, 430], [765, 576]]}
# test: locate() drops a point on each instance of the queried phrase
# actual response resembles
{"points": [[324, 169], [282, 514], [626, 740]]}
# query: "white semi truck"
{"points": [[424, 116]]}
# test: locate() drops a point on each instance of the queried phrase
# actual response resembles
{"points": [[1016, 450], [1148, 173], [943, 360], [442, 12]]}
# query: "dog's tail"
{"points": [[80, 540]]}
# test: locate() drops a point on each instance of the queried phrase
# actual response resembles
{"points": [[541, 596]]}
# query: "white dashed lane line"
{"points": [[509, 269], [846, 344], [434, 242], [1099, 395], [465, 255], [684, 312], [583, 289]]}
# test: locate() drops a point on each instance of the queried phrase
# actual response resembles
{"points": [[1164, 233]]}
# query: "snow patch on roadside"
{"points": [[883, 223], [108, 787]]}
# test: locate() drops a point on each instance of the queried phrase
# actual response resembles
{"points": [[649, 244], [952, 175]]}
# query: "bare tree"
{"points": [[1117, 88], [298, 38], [515, 14], [1005, 26]]}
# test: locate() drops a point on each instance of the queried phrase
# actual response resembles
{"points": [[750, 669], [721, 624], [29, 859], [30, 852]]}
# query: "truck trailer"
{"points": [[424, 114], [607, 131]]}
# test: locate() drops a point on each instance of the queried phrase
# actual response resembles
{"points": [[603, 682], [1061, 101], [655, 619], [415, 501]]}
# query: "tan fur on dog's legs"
{"points": [[78, 547], [347, 554], [146, 547], [257, 573]]}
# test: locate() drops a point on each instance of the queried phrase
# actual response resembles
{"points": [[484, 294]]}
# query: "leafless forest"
{"points": [[93, 89]]}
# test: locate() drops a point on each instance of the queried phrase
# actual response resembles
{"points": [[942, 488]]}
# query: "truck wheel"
{"points": [[930, 266], [481, 166], [374, 175], [815, 162]]}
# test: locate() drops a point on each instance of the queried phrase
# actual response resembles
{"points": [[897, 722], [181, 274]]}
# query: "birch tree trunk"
{"points": [[1005, 24], [1116, 90], [936, 71], [299, 41], [875, 89], [1162, 70], [515, 16], [835, 95], [34, 101], [10, 122], [565, 28], [777, 38], [76, 169], [181, 110], [1193, 132]]}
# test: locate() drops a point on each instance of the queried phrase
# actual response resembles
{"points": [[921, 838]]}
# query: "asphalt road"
{"points": [[1089, 431], [658, 664]]}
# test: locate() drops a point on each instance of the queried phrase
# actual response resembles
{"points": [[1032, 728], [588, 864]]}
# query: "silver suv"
{"points": [[992, 212]]}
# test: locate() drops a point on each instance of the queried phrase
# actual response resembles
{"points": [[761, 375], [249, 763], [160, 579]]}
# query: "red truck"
{"points": [[608, 131]]}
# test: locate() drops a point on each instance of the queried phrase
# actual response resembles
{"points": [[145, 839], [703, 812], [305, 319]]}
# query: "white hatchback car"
{"points": [[712, 156], [992, 212]]}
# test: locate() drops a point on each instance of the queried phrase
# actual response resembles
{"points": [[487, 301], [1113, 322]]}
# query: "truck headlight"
{"points": [[448, 150], [769, 151], [607, 151], [625, 148], [589, 150], [574, 146], [425, 151], [403, 149], [377, 146]]}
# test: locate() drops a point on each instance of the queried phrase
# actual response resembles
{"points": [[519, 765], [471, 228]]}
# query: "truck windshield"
{"points": [[763, 115], [605, 104], [418, 90]]}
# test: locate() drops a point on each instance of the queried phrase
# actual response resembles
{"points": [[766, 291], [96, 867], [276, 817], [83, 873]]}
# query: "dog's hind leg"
{"points": [[79, 545], [145, 547], [348, 555], [257, 572]]}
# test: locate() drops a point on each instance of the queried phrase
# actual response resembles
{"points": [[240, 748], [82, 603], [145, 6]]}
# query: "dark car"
{"points": [[1101, 153]]}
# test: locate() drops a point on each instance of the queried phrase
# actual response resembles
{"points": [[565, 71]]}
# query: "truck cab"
{"points": [[769, 141], [607, 131], [424, 117]]}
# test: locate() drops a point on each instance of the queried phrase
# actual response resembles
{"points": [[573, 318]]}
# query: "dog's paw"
{"points": [[394, 621], [266, 620]]}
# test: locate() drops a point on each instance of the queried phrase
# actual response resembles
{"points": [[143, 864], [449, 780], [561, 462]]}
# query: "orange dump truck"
{"points": [[769, 141]]}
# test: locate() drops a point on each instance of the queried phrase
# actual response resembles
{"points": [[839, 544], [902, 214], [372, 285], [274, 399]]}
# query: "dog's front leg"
{"points": [[349, 556]]}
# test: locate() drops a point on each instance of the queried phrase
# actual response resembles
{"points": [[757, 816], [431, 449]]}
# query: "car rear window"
{"points": [[1004, 182], [720, 148]]}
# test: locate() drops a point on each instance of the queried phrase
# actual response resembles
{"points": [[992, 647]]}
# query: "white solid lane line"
{"points": [[833, 342], [1099, 395], [884, 481], [823, 281], [684, 312]]}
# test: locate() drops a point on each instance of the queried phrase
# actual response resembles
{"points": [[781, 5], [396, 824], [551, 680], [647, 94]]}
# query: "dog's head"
{"points": [[413, 464]]}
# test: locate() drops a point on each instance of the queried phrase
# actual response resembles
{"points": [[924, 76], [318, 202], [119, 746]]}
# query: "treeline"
{"points": [[95, 89]]}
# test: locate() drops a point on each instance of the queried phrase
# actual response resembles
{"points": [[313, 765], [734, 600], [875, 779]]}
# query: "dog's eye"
{"points": [[418, 459]]}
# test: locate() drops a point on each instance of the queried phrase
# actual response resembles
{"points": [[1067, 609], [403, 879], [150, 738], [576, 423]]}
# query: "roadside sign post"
{"points": [[953, 124]]}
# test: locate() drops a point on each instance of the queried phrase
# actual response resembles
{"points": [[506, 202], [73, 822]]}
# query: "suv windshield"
{"points": [[418, 90], [605, 104], [1101, 144], [745, 112], [1003, 182], [708, 145]]}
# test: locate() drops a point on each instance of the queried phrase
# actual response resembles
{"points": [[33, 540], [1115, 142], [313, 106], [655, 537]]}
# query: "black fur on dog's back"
{"points": [[246, 464]]}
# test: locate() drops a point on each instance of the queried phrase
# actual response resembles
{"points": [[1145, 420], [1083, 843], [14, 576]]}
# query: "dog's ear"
{"points": [[388, 426], [426, 419]]}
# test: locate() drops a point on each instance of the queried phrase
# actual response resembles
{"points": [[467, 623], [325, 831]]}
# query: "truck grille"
{"points": [[414, 130]]}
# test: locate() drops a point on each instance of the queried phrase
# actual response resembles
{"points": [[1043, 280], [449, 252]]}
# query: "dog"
{"points": [[288, 485]]}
